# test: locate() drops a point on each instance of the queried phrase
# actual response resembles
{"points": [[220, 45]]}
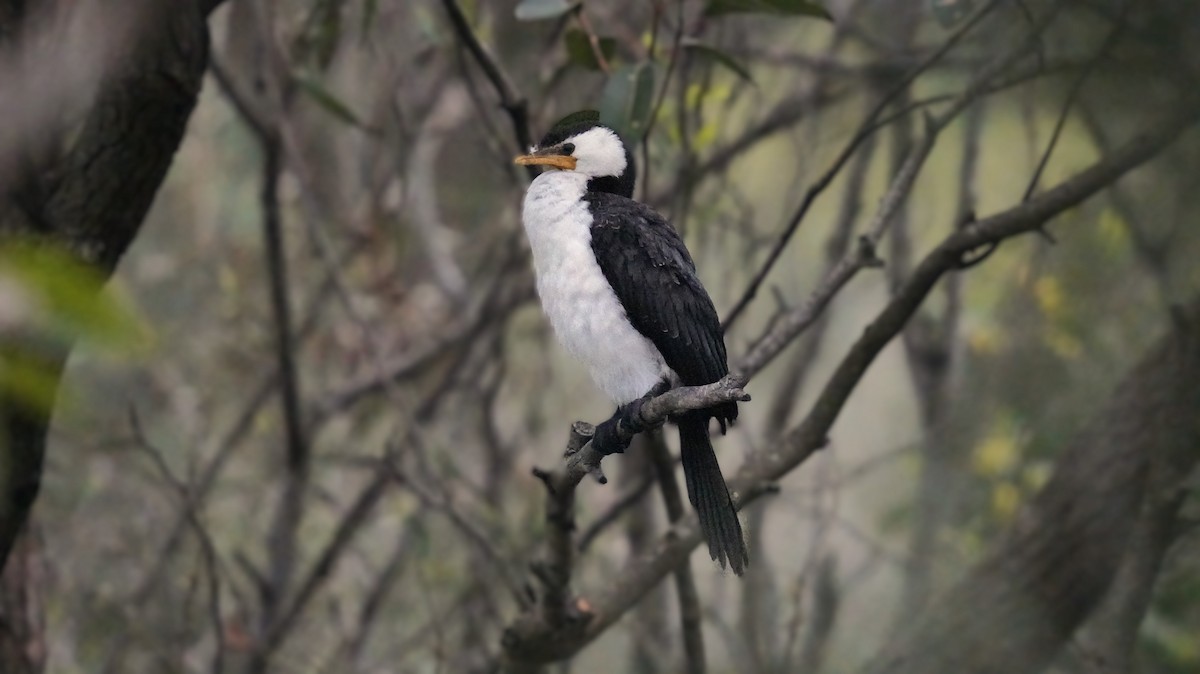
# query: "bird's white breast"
{"points": [[579, 302]]}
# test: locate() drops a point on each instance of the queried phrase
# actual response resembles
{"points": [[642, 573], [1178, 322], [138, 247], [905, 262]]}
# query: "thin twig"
{"points": [[226, 445], [282, 538], [826, 179], [1069, 101], [826, 601], [379, 590], [1152, 250], [593, 39], [662, 96], [510, 99], [772, 342], [929, 346], [354, 519], [469, 529], [608, 517], [836, 248], [188, 506], [690, 615]]}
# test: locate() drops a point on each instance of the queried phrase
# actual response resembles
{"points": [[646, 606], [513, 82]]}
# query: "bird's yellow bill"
{"points": [[558, 161]]}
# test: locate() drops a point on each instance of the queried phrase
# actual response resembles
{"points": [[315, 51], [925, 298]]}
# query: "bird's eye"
{"points": [[568, 148]]}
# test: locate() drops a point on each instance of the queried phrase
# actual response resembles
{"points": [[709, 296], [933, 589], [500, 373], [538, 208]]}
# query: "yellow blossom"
{"points": [[985, 341], [1049, 294], [1005, 500], [1064, 344], [996, 455]]}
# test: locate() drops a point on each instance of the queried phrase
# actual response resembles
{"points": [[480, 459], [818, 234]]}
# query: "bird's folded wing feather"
{"points": [[654, 278]]}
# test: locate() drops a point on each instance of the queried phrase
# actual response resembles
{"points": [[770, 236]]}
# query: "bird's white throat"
{"points": [[582, 308]]}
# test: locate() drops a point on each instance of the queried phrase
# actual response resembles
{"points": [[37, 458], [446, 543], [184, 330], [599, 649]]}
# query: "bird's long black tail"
{"points": [[709, 495]]}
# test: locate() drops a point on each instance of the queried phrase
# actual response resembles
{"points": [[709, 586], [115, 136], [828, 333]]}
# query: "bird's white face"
{"points": [[599, 152], [596, 153]]}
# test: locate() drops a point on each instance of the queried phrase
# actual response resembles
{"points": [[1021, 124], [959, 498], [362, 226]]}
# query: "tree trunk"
{"points": [[1014, 611], [22, 607], [83, 183]]}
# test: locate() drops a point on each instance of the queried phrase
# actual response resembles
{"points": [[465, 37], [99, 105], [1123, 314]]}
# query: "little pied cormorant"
{"points": [[621, 292]]}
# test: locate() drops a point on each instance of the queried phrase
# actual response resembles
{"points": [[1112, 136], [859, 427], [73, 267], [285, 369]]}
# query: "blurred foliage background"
{"points": [[427, 383]]}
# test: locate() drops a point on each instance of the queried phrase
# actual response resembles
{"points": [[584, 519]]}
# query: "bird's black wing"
{"points": [[654, 278]]}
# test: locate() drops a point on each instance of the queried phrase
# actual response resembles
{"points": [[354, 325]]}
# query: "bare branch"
{"points": [[557, 611], [284, 530], [584, 460], [499, 301], [836, 248], [1072, 94], [448, 112]]}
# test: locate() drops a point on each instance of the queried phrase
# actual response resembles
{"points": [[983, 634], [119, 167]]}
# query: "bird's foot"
{"points": [[631, 415], [607, 440]]}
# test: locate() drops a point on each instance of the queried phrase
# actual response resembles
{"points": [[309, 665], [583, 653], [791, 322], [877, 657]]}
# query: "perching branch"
{"points": [[586, 461], [556, 608]]}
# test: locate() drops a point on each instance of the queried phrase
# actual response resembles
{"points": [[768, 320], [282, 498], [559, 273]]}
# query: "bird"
{"points": [[620, 290]]}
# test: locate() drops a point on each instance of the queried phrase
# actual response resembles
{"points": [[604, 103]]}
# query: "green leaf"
{"points": [[27, 379], [580, 52], [626, 101], [67, 295], [539, 10], [785, 7], [331, 104], [720, 57]]}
